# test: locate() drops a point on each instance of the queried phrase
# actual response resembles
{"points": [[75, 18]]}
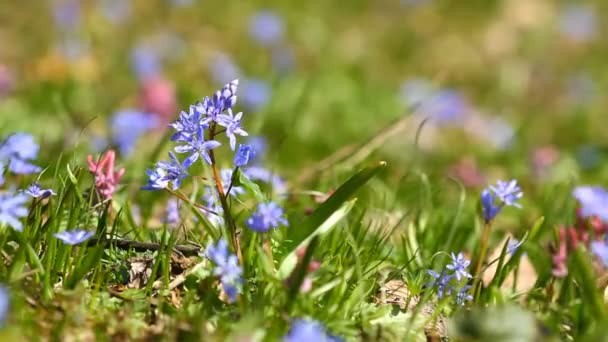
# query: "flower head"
{"points": [[255, 94], [243, 154], [227, 268], [145, 62], [441, 282], [593, 200], [508, 192], [12, 208], [600, 249], [463, 295], [233, 126], [17, 150], [304, 330], [213, 204], [106, 178], [36, 191], [166, 174], [459, 266], [74, 237], [268, 215], [489, 209], [188, 125], [266, 28], [198, 147], [578, 23], [127, 126], [223, 100]]}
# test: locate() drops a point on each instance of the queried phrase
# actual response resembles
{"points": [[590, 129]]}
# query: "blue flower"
{"points": [[74, 237], [578, 23], [165, 174], [127, 126], [223, 100], [12, 208], [600, 249], [255, 94], [226, 178], [489, 209], [22, 167], [116, 11], [17, 150], [66, 14], [188, 124], [233, 126], [268, 215], [279, 186], [243, 155], [459, 266], [508, 192], [4, 304], [223, 68], [2, 168], [198, 147], [145, 62], [36, 191], [227, 268], [172, 212], [593, 200], [213, 204], [463, 295], [305, 330], [266, 28], [441, 282]]}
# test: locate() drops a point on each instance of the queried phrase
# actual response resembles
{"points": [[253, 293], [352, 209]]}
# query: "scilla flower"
{"points": [[268, 215]]}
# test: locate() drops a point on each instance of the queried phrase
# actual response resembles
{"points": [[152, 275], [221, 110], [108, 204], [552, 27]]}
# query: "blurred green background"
{"points": [[514, 83]]}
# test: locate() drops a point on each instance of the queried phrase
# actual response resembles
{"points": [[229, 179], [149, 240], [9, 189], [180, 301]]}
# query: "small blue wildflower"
{"points": [[593, 200], [223, 100], [578, 23], [463, 295], [255, 94], [12, 208], [459, 266], [268, 215], [211, 202], [441, 282], [128, 125], [2, 168], [227, 268], [172, 212], [266, 28], [188, 124], [233, 126], [145, 62], [4, 304], [22, 167], [16, 150], [74, 237], [258, 173], [36, 191], [165, 174], [600, 249], [305, 330], [198, 147], [66, 14], [226, 178], [508, 192], [445, 107], [243, 155], [489, 209]]}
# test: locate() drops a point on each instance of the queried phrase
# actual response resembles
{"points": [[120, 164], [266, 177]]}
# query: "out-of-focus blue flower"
{"points": [[305, 330], [268, 215], [233, 126], [172, 212], [128, 125], [258, 173], [165, 174], [508, 192], [227, 268], [116, 11], [266, 28], [459, 266], [578, 23], [255, 94], [20, 166], [445, 107], [66, 13], [513, 246], [441, 282], [145, 62], [4, 304], [488, 207], [36, 191], [223, 68], [226, 178], [588, 156], [19, 145], [593, 200], [2, 168], [600, 249], [283, 59], [212, 203], [12, 208], [197, 147], [243, 154], [74, 237], [498, 132], [463, 295]]}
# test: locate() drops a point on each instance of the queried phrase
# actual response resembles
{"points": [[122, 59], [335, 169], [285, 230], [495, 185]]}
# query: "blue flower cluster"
{"points": [[505, 193], [593, 201], [16, 153], [226, 268], [449, 282], [304, 330]]}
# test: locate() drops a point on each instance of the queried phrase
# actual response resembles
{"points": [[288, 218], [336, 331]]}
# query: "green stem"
{"points": [[485, 238]]}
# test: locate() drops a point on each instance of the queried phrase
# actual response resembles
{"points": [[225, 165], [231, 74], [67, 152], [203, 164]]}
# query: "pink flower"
{"points": [[106, 179], [157, 96]]}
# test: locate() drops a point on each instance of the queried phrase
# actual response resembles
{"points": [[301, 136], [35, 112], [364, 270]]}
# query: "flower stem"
{"points": [[485, 238]]}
